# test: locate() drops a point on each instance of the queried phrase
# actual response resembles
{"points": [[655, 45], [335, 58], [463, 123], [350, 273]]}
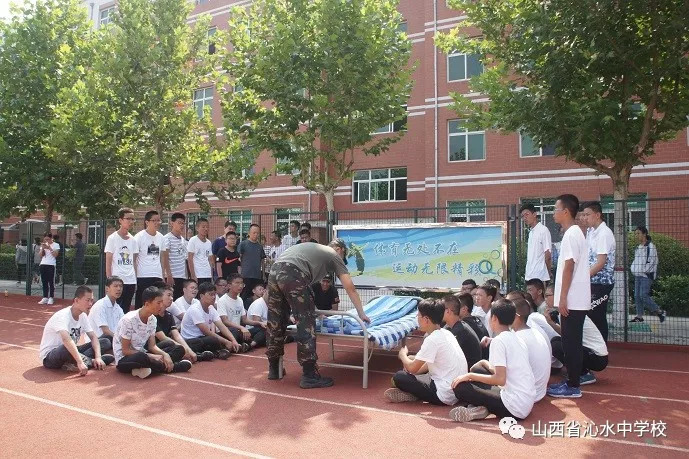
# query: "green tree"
{"points": [[44, 48], [316, 78], [602, 81]]}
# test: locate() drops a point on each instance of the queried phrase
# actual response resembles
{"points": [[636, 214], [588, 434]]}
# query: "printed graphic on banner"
{"points": [[423, 255]]}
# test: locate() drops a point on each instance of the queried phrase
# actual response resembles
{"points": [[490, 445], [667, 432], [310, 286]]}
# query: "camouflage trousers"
{"points": [[289, 291]]}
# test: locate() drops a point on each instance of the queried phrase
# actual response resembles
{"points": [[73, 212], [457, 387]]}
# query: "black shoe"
{"points": [[661, 316], [312, 380], [222, 354], [289, 339], [205, 356], [108, 358], [274, 369], [245, 347], [637, 319], [181, 366]]}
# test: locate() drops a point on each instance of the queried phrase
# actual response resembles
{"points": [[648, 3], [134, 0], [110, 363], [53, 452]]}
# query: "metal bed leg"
{"points": [[281, 368], [366, 357], [332, 349]]}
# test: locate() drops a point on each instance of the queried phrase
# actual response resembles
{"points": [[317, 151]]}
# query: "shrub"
{"points": [[673, 257], [7, 248], [672, 294]]}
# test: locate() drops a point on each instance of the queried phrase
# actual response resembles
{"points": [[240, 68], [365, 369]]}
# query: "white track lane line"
{"points": [[135, 425], [21, 323], [31, 310]]}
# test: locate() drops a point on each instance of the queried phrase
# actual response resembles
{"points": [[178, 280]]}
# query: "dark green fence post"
{"points": [[29, 259], [626, 279], [101, 260], [416, 215], [512, 245]]}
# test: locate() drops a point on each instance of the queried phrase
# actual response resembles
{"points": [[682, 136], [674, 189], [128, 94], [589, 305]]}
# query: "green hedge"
{"points": [[90, 269], [672, 294]]}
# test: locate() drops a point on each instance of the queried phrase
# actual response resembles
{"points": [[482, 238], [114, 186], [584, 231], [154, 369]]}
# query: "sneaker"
{"points": [[51, 301], [181, 366], [108, 358], [564, 391], [43, 301], [588, 378], [661, 316], [70, 367], [395, 395], [558, 384], [205, 356], [314, 380], [222, 354], [466, 414], [141, 372], [245, 347], [637, 319]]}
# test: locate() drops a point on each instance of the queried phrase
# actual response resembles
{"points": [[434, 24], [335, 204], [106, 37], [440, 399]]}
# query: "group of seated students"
{"points": [[490, 354], [209, 321]]}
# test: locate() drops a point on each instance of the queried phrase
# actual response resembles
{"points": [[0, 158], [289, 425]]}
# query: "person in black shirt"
{"points": [[325, 294], [227, 261], [466, 337], [466, 305]]}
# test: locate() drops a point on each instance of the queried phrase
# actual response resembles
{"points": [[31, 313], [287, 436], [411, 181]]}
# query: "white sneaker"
{"points": [[43, 301], [395, 395], [141, 372], [467, 414], [51, 301]]}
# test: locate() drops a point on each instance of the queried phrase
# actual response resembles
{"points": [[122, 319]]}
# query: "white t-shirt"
{"points": [[233, 308], [123, 251], [289, 240], [196, 315], [48, 258], [486, 323], [592, 338], [176, 247], [574, 247], [131, 327], [537, 321], [150, 247], [201, 250], [258, 308], [180, 306], [519, 392], [539, 243], [539, 358], [445, 359], [601, 241], [478, 311], [105, 313], [62, 320]]}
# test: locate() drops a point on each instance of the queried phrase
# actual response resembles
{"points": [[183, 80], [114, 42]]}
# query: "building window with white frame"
{"points": [[395, 126], [637, 212], [465, 145], [203, 97], [243, 220], [461, 67], [545, 208], [529, 149], [467, 211], [380, 185], [211, 41], [105, 16], [285, 215]]}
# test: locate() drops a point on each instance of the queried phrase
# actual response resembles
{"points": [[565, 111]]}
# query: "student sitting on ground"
{"points": [[256, 293], [496, 285], [595, 352], [466, 337], [536, 289], [202, 328], [221, 286], [466, 305], [135, 346], [167, 333], [234, 316], [536, 344], [189, 291], [504, 385], [468, 285], [485, 295], [106, 313], [257, 316], [428, 375], [62, 332]]}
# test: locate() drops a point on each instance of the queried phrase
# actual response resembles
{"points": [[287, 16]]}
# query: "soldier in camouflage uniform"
{"points": [[289, 291]]}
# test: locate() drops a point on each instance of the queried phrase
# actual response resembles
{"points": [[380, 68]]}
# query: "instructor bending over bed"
{"points": [[289, 290]]}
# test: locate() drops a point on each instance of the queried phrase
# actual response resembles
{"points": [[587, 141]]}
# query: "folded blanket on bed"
{"points": [[381, 310], [388, 336]]}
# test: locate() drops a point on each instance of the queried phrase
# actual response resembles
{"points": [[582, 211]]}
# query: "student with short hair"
{"points": [[484, 297], [325, 294], [106, 313], [121, 251], [202, 328], [537, 345], [536, 289], [199, 254], [504, 384], [440, 360], [466, 306], [175, 255], [149, 263], [221, 286], [50, 251], [496, 285], [292, 236], [539, 249], [61, 334], [184, 302], [468, 285], [135, 347], [256, 292], [257, 318], [233, 314], [572, 293], [228, 258], [251, 256], [466, 337], [221, 241]]}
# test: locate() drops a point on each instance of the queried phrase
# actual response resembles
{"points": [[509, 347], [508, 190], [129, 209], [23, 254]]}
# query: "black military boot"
{"points": [[274, 369], [312, 379]]}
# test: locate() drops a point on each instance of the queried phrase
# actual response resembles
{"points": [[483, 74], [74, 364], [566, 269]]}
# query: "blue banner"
{"points": [[425, 255]]}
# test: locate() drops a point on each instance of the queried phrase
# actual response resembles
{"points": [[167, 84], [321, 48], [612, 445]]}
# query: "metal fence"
{"points": [[667, 219]]}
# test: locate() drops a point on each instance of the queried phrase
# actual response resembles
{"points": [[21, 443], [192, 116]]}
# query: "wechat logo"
{"points": [[508, 425]]}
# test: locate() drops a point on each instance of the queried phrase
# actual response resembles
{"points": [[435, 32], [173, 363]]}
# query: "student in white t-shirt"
{"points": [[483, 298], [135, 347], [188, 299], [537, 345], [572, 293], [121, 251], [175, 255], [536, 289], [106, 313], [257, 319], [428, 375], [202, 328], [149, 262], [49, 252], [512, 390], [595, 352], [232, 313], [538, 255], [200, 254], [62, 332]]}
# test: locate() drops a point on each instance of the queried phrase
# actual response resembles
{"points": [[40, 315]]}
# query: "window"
{"points": [[465, 145], [545, 208], [248, 172], [636, 211], [380, 185], [528, 148], [192, 218], [94, 232], [243, 220], [211, 41], [203, 97], [461, 67], [466, 211], [106, 16], [395, 126], [402, 27], [284, 216], [283, 164]]}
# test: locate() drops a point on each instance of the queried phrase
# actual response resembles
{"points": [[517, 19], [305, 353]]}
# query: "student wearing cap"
{"points": [[289, 286], [325, 294]]}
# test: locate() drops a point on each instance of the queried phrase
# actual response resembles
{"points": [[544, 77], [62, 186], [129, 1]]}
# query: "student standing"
{"points": [[227, 260], [538, 256], [293, 236], [220, 241], [49, 252], [175, 255], [644, 268], [199, 254], [252, 255], [149, 264], [121, 250], [79, 254]]}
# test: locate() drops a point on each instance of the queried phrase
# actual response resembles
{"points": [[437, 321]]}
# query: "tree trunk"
{"points": [[329, 199], [48, 214], [620, 294]]}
